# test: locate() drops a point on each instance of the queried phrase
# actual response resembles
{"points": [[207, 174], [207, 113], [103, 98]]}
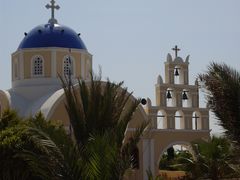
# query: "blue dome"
{"points": [[50, 35]]}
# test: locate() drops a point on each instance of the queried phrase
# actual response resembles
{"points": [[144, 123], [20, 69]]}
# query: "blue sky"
{"points": [[130, 39]]}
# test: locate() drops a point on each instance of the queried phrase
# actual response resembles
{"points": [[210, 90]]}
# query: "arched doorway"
{"points": [[174, 160], [178, 145]]}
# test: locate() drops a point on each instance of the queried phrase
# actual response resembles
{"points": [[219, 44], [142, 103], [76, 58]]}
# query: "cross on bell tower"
{"points": [[176, 49], [52, 7]]}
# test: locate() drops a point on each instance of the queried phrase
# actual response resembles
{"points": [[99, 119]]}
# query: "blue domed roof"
{"points": [[52, 35]]}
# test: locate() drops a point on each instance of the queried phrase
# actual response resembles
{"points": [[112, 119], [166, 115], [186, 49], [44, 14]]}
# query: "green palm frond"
{"points": [[100, 121], [213, 158], [26, 149], [222, 86]]}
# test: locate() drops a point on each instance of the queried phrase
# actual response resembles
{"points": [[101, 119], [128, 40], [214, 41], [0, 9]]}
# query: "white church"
{"points": [[53, 49]]}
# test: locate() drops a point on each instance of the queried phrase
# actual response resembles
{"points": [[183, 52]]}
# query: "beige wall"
{"points": [[27, 65], [60, 114], [27, 56], [46, 53], [47, 64], [59, 62]]}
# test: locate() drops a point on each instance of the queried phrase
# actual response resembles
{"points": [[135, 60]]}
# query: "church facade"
{"points": [[50, 50]]}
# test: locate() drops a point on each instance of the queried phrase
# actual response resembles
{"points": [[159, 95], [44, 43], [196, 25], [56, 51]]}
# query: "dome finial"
{"points": [[52, 6]]}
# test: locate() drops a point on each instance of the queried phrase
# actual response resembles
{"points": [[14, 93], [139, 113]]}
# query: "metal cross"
{"points": [[52, 7], [176, 49]]}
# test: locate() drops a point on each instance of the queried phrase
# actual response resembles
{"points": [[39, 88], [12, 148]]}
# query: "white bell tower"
{"points": [[176, 119], [178, 98]]}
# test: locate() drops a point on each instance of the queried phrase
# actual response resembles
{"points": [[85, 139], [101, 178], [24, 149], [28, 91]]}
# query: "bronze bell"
{"points": [[176, 72], [184, 95], [169, 96]]}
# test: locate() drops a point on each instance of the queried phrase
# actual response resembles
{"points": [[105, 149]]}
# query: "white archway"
{"points": [[185, 144]]}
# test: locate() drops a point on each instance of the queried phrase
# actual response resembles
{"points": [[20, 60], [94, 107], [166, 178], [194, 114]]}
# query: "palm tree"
{"points": [[222, 88], [212, 159], [26, 152], [38, 149], [99, 114]]}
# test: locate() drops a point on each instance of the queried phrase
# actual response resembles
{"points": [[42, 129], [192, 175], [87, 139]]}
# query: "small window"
{"points": [[37, 64], [68, 65]]}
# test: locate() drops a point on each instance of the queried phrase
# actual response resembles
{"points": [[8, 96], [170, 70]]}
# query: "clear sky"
{"points": [[130, 39]]}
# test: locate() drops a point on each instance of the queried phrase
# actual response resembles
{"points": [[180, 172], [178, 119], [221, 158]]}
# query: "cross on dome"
{"points": [[176, 49], [52, 7]]}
